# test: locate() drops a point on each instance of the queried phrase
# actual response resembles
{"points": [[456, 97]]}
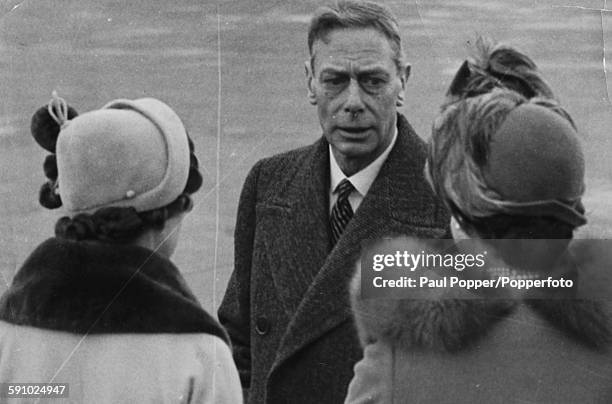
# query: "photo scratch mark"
{"points": [[9, 6], [217, 180], [70, 355], [602, 12], [127, 282], [431, 39], [604, 9], [603, 42], [218, 150]]}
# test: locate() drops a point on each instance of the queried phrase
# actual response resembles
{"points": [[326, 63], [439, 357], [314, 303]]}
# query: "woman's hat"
{"points": [[499, 153], [536, 162], [128, 153]]}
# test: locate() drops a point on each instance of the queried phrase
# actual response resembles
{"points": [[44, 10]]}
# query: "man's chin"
{"points": [[353, 150], [357, 156]]}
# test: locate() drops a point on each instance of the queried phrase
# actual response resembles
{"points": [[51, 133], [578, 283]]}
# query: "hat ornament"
{"points": [[47, 123], [58, 110]]}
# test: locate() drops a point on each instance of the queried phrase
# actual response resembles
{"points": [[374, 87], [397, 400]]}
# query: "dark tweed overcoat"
{"points": [[287, 307]]}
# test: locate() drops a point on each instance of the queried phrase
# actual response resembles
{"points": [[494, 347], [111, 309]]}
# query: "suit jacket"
{"points": [[287, 307]]}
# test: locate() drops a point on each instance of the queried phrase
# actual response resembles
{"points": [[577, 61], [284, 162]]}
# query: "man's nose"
{"points": [[354, 103]]}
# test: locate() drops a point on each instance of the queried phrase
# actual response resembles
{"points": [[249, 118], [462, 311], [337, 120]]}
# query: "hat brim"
{"points": [[570, 213]]}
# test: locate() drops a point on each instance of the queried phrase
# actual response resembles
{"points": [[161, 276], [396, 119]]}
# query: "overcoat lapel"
{"points": [[383, 212], [297, 242]]}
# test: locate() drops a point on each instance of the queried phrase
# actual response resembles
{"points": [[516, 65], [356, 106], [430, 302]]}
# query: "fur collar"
{"points": [[89, 287], [447, 324]]}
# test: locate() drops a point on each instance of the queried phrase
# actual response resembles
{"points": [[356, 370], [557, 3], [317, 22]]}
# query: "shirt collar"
{"points": [[363, 179]]}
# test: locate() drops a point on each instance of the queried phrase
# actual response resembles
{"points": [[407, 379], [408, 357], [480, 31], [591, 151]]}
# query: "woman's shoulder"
{"points": [[100, 288], [438, 319], [441, 319]]}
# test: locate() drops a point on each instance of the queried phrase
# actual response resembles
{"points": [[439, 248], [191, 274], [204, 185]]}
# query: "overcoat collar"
{"points": [[310, 277]]}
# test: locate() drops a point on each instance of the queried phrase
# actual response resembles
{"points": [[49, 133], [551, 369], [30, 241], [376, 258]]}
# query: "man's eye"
{"points": [[334, 81], [373, 82]]}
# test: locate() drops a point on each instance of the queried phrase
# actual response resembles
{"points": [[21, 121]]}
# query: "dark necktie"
{"points": [[341, 212]]}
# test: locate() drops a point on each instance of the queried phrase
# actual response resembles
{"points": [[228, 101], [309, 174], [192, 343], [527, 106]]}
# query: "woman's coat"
{"points": [[117, 324], [443, 350]]}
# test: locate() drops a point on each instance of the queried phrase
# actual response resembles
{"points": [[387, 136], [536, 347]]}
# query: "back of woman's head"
{"points": [[496, 65], [508, 167], [117, 171]]}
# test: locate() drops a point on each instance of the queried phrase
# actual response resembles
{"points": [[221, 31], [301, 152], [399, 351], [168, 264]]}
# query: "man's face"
{"points": [[355, 83]]}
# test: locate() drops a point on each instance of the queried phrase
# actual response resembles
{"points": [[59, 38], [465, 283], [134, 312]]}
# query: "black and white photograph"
{"points": [[321, 201]]}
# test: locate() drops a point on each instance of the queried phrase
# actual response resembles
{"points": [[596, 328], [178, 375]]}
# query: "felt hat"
{"points": [[128, 153], [536, 165], [499, 153]]}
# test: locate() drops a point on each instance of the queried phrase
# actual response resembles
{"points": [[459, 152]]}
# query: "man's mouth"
{"points": [[353, 129]]}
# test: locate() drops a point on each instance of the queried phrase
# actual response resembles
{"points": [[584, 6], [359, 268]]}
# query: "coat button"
{"points": [[262, 325]]}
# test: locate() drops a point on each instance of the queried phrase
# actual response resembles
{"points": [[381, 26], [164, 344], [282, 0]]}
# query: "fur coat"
{"points": [[116, 323], [450, 350]]}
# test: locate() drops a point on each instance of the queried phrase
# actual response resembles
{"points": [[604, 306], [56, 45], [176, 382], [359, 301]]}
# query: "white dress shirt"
{"points": [[361, 180]]}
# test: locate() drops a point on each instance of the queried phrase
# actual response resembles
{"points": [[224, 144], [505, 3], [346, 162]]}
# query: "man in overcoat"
{"points": [[303, 214]]}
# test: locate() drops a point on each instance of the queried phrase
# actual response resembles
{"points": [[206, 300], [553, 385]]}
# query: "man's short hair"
{"points": [[355, 14]]}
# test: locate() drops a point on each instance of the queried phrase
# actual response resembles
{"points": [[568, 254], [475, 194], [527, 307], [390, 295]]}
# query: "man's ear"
{"points": [[312, 96], [404, 75]]}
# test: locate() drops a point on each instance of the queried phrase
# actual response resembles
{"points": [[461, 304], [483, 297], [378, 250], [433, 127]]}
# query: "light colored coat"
{"points": [[117, 324], [121, 368]]}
